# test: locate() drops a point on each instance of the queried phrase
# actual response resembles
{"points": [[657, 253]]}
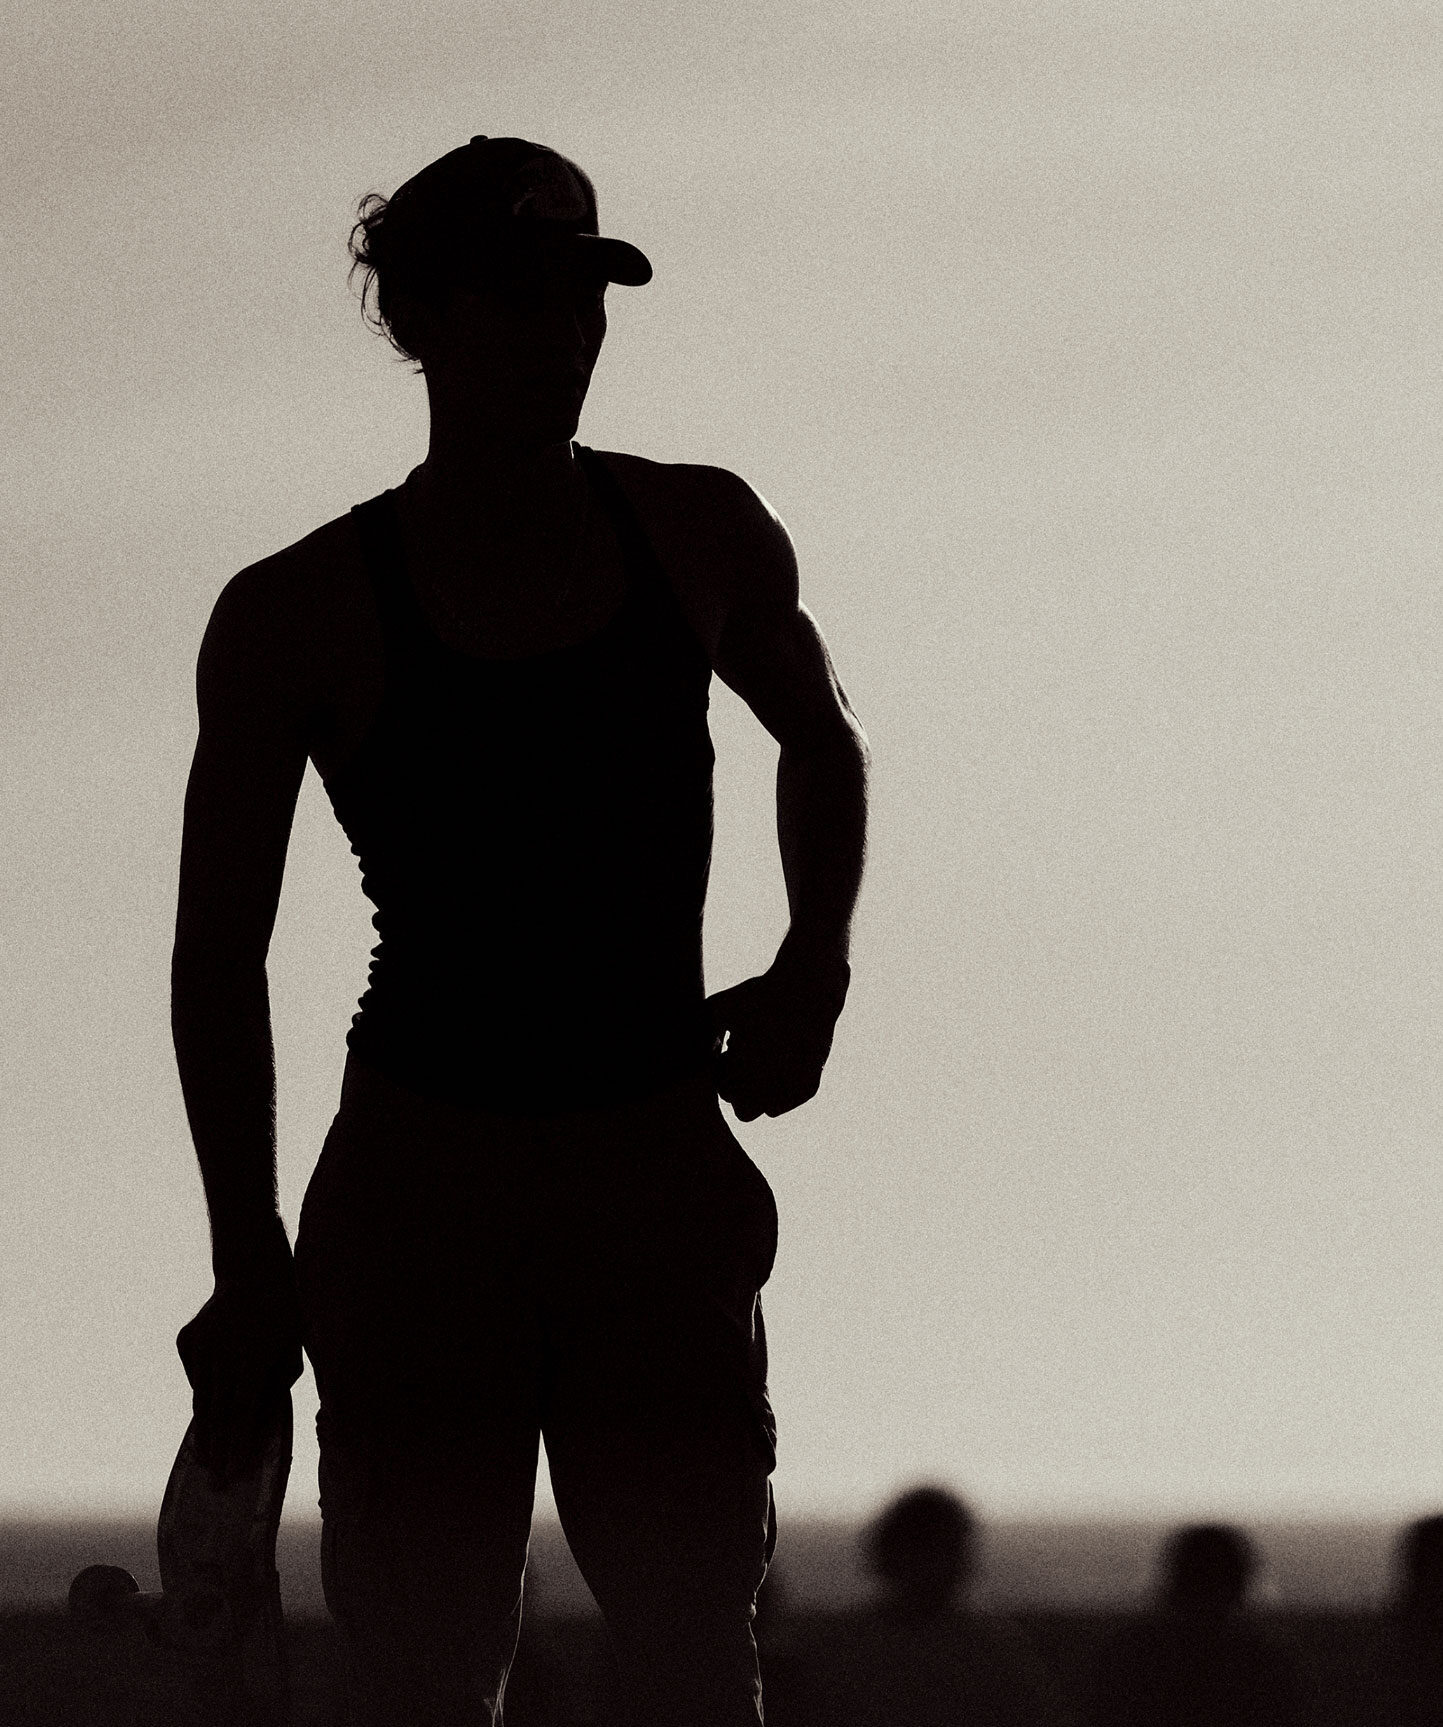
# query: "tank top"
{"points": [[535, 835]]}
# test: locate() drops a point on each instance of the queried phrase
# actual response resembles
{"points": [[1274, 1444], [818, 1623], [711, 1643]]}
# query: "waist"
{"points": [[529, 1056], [686, 1098]]}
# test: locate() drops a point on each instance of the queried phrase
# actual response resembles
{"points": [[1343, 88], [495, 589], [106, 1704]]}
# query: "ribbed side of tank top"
{"points": [[535, 835]]}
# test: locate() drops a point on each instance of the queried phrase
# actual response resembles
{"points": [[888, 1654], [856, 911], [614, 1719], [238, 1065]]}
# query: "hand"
{"points": [[241, 1354], [774, 1034]]}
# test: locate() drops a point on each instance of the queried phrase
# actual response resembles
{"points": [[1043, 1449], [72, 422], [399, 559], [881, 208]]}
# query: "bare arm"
{"points": [[772, 654], [239, 806]]}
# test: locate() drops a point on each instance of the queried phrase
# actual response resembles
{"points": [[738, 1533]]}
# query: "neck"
{"points": [[477, 466], [500, 476]]}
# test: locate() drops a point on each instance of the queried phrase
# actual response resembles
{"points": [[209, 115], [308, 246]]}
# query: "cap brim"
{"points": [[620, 261]]}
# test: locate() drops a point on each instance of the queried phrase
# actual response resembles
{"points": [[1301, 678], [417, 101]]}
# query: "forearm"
{"points": [[775, 1031], [822, 831], [220, 1021]]}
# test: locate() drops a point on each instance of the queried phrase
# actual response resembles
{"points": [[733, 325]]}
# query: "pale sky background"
{"points": [[1092, 354]]}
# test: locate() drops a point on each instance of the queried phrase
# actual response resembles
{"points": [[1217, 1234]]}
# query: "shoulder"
{"points": [[717, 537], [285, 631], [277, 623], [279, 594]]}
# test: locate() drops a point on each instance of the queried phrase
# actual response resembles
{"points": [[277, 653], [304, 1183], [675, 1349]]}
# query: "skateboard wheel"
{"points": [[101, 1591]]}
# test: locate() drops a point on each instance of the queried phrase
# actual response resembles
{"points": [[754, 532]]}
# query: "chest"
{"points": [[557, 665], [472, 609], [517, 601]]}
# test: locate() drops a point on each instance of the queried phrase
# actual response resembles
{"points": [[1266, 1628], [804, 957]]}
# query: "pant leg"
{"points": [[423, 1343], [658, 1430]]}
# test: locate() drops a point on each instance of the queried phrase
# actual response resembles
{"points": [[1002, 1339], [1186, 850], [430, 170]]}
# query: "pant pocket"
{"points": [[756, 1210]]}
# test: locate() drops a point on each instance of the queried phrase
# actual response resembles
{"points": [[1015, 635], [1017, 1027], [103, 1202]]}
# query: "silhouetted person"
{"points": [[529, 1218], [1197, 1661], [918, 1656], [921, 1550]]}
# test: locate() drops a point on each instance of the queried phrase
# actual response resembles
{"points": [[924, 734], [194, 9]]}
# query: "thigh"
{"points": [[423, 1552], [660, 1454], [412, 1263], [419, 1328], [660, 1235], [657, 1423]]}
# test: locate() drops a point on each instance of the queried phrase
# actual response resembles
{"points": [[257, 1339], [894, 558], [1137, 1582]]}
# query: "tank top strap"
{"points": [[638, 554], [378, 524]]}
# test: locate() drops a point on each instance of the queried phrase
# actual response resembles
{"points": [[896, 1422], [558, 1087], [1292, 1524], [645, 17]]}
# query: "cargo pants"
{"points": [[473, 1284]]}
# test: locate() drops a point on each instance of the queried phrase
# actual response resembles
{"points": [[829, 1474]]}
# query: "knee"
{"points": [[423, 1580], [427, 1638], [411, 1539], [689, 1673]]}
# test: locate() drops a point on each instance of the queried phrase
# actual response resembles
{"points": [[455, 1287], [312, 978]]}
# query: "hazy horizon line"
{"points": [[1284, 1516]]}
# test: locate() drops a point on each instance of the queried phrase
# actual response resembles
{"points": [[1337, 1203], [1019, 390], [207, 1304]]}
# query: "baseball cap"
{"points": [[501, 200]]}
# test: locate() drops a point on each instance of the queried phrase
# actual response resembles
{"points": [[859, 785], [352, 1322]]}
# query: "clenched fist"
{"points": [[773, 1034], [241, 1353]]}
